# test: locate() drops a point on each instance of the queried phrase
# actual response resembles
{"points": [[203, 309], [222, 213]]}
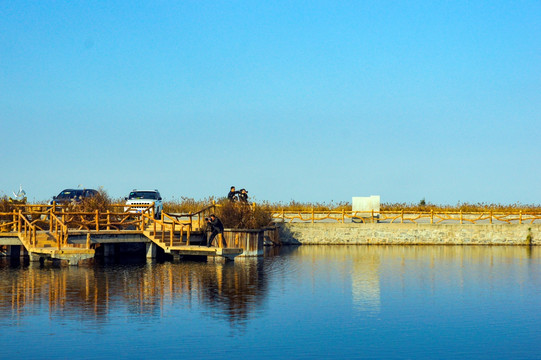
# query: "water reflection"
{"points": [[301, 302], [93, 293], [234, 292], [364, 268]]}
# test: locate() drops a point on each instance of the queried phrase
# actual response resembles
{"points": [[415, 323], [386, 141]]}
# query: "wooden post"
{"points": [[491, 216], [343, 215], [460, 217], [220, 240], [372, 216], [402, 216], [14, 220], [108, 220], [283, 216], [65, 229], [88, 240], [188, 235], [97, 220], [432, 216], [61, 238], [171, 234], [181, 233], [312, 214], [54, 206], [59, 241], [520, 217]]}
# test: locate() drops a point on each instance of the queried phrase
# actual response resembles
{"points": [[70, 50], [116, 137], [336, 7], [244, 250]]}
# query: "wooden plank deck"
{"points": [[204, 251], [50, 250]]}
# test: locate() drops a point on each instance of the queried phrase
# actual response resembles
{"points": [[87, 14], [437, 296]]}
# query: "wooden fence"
{"points": [[117, 217], [432, 217]]}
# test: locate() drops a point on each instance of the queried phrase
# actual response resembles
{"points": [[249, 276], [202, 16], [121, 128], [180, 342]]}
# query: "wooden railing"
{"points": [[58, 230], [60, 222], [49, 220], [197, 219], [26, 229], [432, 217], [181, 225], [169, 227]]}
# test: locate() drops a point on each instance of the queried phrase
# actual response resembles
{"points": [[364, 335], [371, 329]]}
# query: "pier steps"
{"points": [[182, 246], [45, 246]]}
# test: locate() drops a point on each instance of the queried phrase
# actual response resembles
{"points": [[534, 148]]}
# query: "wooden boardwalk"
{"points": [[56, 234]]}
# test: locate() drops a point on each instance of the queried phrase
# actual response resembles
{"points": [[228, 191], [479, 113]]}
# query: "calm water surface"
{"points": [[303, 302]]}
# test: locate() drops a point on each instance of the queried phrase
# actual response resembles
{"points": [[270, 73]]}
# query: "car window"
{"points": [[70, 194], [150, 195]]}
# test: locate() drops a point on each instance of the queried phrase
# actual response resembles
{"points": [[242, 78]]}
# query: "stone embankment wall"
{"points": [[410, 234]]}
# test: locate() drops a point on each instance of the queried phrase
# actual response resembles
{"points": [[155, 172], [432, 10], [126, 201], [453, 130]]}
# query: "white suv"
{"points": [[144, 198]]}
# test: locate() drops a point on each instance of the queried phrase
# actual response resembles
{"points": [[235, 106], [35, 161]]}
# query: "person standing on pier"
{"points": [[243, 196], [232, 196], [217, 228]]}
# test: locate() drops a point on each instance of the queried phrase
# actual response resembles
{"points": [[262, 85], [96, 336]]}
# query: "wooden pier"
{"points": [[53, 232]]}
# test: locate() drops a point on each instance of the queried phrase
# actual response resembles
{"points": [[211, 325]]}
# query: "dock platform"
{"points": [[58, 234]]}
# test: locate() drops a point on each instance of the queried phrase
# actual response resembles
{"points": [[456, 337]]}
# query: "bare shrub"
{"points": [[235, 215], [101, 201], [6, 206]]}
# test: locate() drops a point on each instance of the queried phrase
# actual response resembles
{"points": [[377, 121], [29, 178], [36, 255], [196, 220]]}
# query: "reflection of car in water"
{"points": [[144, 198], [73, 195]]}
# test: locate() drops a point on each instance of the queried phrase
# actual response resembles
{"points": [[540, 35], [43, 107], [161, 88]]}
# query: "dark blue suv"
{"points": [[73, 195]]}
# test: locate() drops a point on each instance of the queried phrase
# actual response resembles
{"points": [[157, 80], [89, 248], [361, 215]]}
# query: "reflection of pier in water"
{"points": [[94, 293], [234, 291]]}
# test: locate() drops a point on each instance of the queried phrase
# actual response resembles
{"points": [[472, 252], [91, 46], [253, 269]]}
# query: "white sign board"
{"points": [[367, 203]]}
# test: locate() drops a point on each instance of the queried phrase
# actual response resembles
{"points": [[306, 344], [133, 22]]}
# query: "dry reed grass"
{"points": [[237, 215], [464, 207], [422, 206], [6, 206], [186, 205], [308, 206], [101, 202]]}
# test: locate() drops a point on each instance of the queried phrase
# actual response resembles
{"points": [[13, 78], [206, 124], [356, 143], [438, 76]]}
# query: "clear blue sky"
{"points": [[305, 100]]}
